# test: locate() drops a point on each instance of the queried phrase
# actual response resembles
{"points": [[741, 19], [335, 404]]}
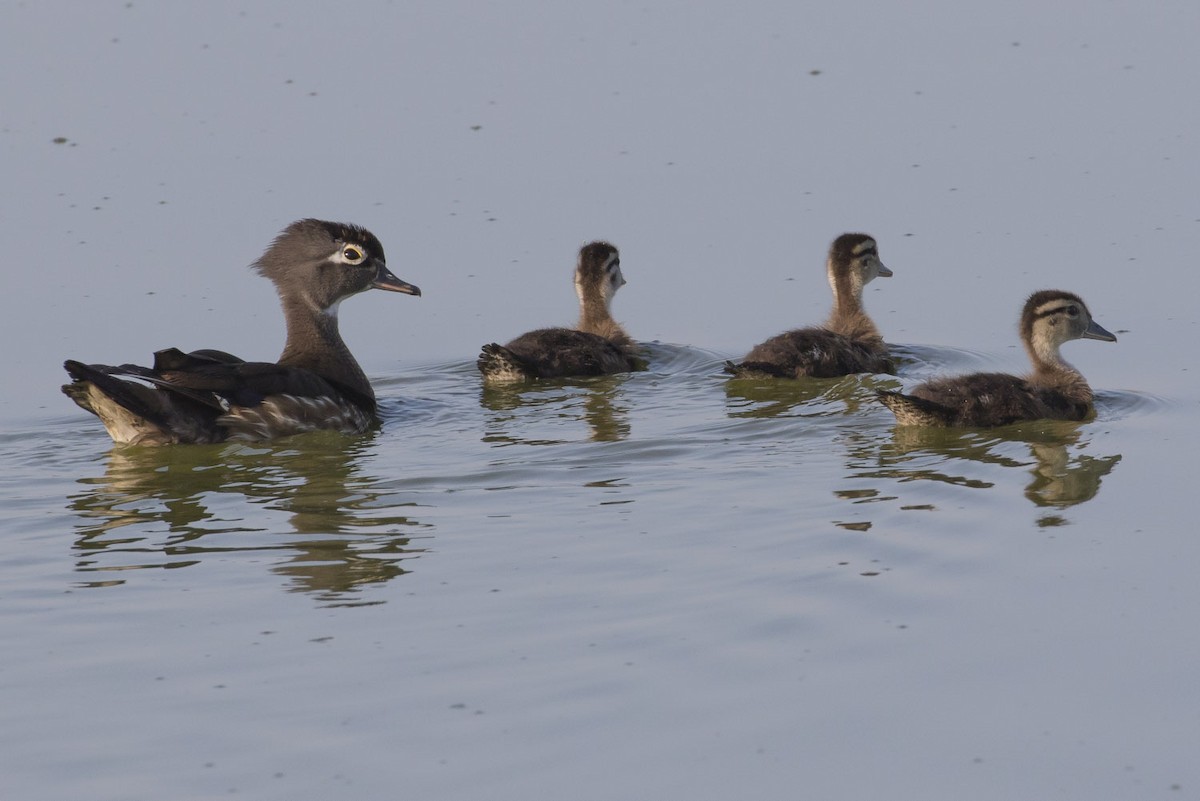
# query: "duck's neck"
{"points": [[1051, 369], [596, 318], [314, 343], [848, 317]]}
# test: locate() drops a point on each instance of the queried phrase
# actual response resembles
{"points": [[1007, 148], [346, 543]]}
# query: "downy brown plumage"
{"points": [[847, 343], [1054, 390], [597, 346]]}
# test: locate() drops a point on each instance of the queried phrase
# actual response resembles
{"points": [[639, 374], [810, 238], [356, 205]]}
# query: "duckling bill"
{"points": [[597, 346], [1054, 390], [847, 343], [211, 396]]}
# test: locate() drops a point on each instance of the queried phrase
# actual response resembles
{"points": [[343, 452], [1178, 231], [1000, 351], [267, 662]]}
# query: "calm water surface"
{"points": [[663, 584], [656, 586]]}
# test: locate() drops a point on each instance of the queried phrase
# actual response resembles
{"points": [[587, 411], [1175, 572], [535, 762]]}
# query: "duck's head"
{"points": [[322, 263], [598, 274], [1052, 317], [853, 263]]}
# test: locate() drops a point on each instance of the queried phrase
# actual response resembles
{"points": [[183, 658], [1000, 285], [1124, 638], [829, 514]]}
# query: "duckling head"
{"points": [[1052, 317], [853, 263], [598, 275]]}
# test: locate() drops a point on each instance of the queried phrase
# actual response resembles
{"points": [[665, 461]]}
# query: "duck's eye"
{"points": [[1072, 311], [352, 255]]}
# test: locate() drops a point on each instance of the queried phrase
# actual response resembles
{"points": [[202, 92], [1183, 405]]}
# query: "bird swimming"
{"points": [[210, 396], [848, 342], [1053, 390], [598, 345]]}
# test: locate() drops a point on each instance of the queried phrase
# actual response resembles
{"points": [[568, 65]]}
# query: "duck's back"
{"points": [[212, 396], [814, 352], [555, 353], [984, 400]]}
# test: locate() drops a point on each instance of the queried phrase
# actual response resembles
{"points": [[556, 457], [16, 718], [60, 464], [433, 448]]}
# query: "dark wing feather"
{"points": [[191, 394]]}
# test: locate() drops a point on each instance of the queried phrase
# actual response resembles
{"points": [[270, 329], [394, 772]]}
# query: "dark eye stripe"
{"points": [[1055, 310]]}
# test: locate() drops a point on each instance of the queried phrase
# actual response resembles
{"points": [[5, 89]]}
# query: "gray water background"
{"points": [[654, 586]]}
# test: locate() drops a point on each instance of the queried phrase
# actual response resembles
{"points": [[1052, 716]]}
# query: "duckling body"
{"points": [[847, 343], [1054, 390], [597, 346], [211, 396]]}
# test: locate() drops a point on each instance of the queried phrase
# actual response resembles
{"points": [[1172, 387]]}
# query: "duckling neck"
{"points": [[1050, 368], [1046, 356], [595, 318], [848, 317], [314, 343]]}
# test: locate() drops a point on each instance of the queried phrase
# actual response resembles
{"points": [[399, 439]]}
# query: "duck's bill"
{"points": [[384, 279], [883, 272], [1096, 331]]}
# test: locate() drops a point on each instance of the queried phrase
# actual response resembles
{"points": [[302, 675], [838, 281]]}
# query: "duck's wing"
{"points": [[211, 396]]}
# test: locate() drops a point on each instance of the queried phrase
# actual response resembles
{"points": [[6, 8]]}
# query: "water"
{"points": [[636, 584], [659, 585]]}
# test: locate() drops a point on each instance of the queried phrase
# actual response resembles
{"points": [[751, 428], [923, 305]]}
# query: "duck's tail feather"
{"points": [[131, 412], [498, 363], [911, 410]]}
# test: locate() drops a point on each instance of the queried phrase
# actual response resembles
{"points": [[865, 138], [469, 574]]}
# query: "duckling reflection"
{"points": [[1061, 479], [175, 507], [814, 397], [1062, 475], [598, 402]]}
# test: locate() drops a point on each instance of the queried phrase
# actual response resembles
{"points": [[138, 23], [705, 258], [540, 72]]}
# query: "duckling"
{"points": [[1054, 390], [597, 346], [847, 343], [211, 396]]}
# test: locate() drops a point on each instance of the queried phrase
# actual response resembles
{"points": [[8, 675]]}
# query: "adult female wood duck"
{"points": [[212, 396], [847, 343], [597, 346], [1054, 390]]}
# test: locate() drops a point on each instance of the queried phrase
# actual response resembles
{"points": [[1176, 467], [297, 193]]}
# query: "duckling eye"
{"points": [[1072, 311], [352, 255]]}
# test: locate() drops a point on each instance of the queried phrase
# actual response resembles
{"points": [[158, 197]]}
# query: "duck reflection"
{"points": [[332, 528], [803, 397], [1062, 474], [556, 406]]}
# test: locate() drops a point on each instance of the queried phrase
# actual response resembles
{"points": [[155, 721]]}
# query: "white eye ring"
{"points": [[352, 254]]}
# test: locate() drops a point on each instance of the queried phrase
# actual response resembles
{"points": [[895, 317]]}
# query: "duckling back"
{"points": [[554, 353], [983, 400], [812, 352]]}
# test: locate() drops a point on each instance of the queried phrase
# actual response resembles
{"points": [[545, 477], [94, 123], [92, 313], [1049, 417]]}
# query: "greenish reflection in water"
{"points": [[334, 530], [557, 405], [808, 397], [1061, 473]]}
